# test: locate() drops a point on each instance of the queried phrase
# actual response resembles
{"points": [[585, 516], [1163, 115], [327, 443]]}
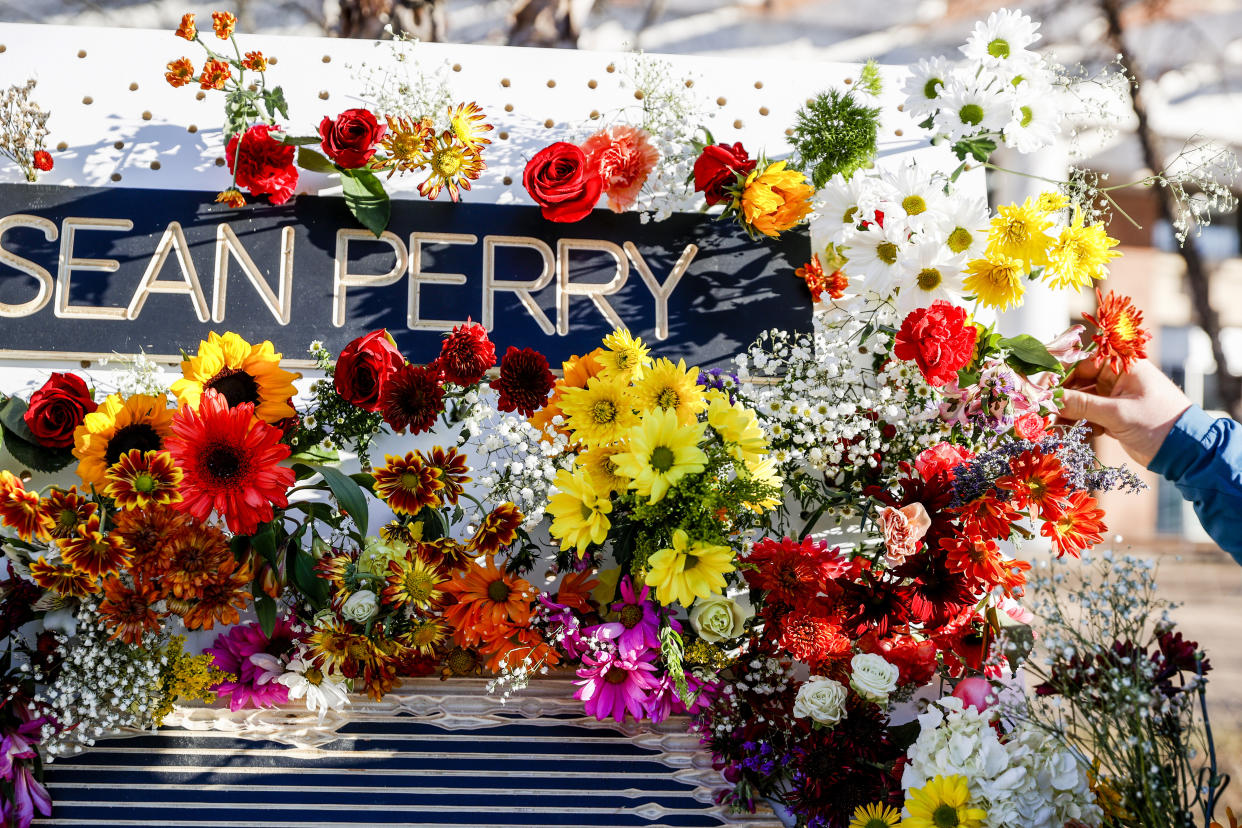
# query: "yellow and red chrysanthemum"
{"points": [[425, 635], [1079, 526], [93, 552], [148, 533], [489, 602], [451, 165], [220, 599], [128, 611], [452, 469], [407, 484], [139, 422], [497, 530], [63, 579], [413, 582], [405, 144], [64, 510], [194, 558], [775, 199], [1120, 338], [141, 479], [231, 463], [241, 373], [1037, 480], [20, 509], [330, 646]]}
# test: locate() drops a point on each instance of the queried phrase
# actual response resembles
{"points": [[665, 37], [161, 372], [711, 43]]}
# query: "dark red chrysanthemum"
{"points": [[873, 602], [413, 399], [936, 593], [524, 381], [231, 461], [466, 354]]}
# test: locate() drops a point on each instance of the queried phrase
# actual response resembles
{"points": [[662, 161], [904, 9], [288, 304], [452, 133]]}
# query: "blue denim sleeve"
{"points": [[1202, 456]]}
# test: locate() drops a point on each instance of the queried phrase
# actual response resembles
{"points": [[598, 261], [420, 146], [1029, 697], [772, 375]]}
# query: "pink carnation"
{"points": [[903, 529], [624, 157]]}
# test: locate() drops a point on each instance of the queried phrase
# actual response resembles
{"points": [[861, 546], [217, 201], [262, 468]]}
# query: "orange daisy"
{"points": [[522, 647], [452, 469], [976, 558], [488, 601], [147, 533], [20, 509], [93, 552], [143, 478], [1037, 481], [1120, 339], [64, 510], [989, 516], [575, 590], [407, 484], [497, 530], [62, 579], [194, 558], [220, 599], [127, 611], [1079, 526]]}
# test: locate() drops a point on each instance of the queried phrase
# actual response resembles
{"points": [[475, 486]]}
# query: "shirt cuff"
{"points": [[1186, 443]]}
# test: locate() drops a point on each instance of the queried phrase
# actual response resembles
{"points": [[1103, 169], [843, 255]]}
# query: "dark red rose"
{"points": [[413, 398], [524, 381], [58, 408], [350, 140], [43, 160], [717, 167], [365, 368], [265, 166], [938, 339], [940, 460], [562, 182], [466, 354]]}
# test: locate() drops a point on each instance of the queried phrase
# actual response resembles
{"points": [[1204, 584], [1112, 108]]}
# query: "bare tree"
{"points": [[544, 23], [424, 19]]}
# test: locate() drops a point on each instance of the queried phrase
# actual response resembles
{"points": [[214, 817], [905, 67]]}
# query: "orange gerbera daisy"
{"points": [[1037, 481], [575, 590], [220, 599], [497, 530], [488, 601], [1078, 526], [976, 558], [64, 510], [148, 532], [127, 610], [989, 516], [1120, 339], [62, 579], [143, 478], [521, 647], [452, 469], [93, 552], [413, 582], [195, 558], [20, 509], [407, 484]]}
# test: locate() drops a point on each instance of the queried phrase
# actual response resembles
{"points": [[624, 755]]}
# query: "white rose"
{"points": [[719, 617], [872, 677], [821, 699], [361, 607]]}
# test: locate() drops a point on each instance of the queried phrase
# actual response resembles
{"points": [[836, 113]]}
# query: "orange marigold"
{"points": [[187, 29], [180, 72], [1120, 338], [224, 23], [220, 599], [231, 198], [215, 75], [255, 61]]}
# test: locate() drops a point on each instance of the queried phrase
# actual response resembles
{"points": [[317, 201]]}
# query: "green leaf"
{"points": [[316, 454], [366, 199], [299, 140], [12, 415], [308, 159], [265, 608], [366, 481], [1031, 351], [317, 511], [314, 588], [264, 542], [274, 102], [32, 455], [349, 495]]}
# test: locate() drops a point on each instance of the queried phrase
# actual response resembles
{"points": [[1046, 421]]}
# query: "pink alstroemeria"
{"points": [[29, 796]]}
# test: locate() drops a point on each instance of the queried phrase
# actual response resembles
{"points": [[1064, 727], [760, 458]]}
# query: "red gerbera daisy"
{"points": [[1120, 339], [792, 573], [466, 354], [127, 611], [407, 484], [524, 381], [989, 517], [453, 471], [413, 398], [977, 558], [230, 460], [1079, 526], [19, 509], [497, 530], [1038, 481]]}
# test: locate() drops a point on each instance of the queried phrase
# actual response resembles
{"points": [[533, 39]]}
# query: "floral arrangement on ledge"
{"points": [[820, 561]]}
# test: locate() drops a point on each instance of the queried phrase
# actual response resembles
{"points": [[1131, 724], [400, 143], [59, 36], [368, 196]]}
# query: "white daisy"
{"points": [[969, 109], [927, 79], [932, 272], [837, 208], [918, 195], [1005, 36], [875, 257], [321, 691], [1036, 119], [966, 225]]}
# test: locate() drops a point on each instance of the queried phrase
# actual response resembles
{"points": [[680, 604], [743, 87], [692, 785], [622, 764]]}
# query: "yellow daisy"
{"points": [[764, 472], [738, 427], [995, 281], [601, 412], [1080, 256], [601, 469], [942, 803], [875, 815], [671, 388], [625, 358], [452, 165], [659, 453], [239, 372], [688, 570], [579, 514], [1020, 233], [116, 427], [1051, 202]]}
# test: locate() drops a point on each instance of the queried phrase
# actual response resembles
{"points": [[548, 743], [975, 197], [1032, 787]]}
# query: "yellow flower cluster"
{"points": [[186, 677], [1020, 246]]}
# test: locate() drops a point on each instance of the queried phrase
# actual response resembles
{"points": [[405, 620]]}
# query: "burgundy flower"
{"points": [[466, 354], [872, 602], [413, 398], [524, 381]]}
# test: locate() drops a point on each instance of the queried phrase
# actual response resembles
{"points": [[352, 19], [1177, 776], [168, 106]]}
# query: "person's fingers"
{"points": [[1083, 373], [1079, 405]]}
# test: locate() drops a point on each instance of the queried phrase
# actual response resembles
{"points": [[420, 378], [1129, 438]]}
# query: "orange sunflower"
{"points": [[62, 579], [407, 484], [488, 601], [116, 426], [127, 611], [497, 530], [1120, 339], [93, 552], [20, 509], [140, 479], [64, 510]]}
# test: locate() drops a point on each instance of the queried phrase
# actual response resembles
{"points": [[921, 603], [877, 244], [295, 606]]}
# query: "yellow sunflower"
{"points": [[671, 388], [626, 357], [117, 426], [659, 453], [688, 570], [875, 815], [600, 413], [944, 802], [239, 372], [738, 427], [1080, 255], [579, 514]]}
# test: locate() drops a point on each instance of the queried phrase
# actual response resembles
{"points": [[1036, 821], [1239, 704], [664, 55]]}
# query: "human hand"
{"points": [[1138, 407]]}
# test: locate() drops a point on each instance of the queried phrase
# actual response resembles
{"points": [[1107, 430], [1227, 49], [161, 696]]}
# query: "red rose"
{"points": [[938, 339], [941, 459], [43, 160], [57, 409], [1030, 427], [561, 181], [717, 167], [265, 166], [365, 367], [466, 355], [350, 140]]}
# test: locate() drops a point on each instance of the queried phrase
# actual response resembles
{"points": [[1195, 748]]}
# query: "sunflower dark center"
{"points": [[224, 462], [631, 616], [616, 675], [498, 591], [141, 436], [460, 662], [235, 386]]}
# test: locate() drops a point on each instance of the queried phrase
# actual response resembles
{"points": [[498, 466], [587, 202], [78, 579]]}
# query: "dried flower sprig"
{"points": [[23, 128]]}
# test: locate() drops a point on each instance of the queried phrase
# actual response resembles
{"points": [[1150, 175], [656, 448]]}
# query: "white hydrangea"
{"points": [[954, 739]]}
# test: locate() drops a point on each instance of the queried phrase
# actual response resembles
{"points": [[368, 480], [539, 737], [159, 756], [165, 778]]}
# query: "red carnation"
{"points": [[938, 339], [365, 368], [524, 381], [466, 354], [265, 166], [413, 399], [940, 460], [43, 160], [57, 409], [718, 167]]}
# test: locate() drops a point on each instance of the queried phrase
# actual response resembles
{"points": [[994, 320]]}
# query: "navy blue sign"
{"points": [[86, 270]]}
